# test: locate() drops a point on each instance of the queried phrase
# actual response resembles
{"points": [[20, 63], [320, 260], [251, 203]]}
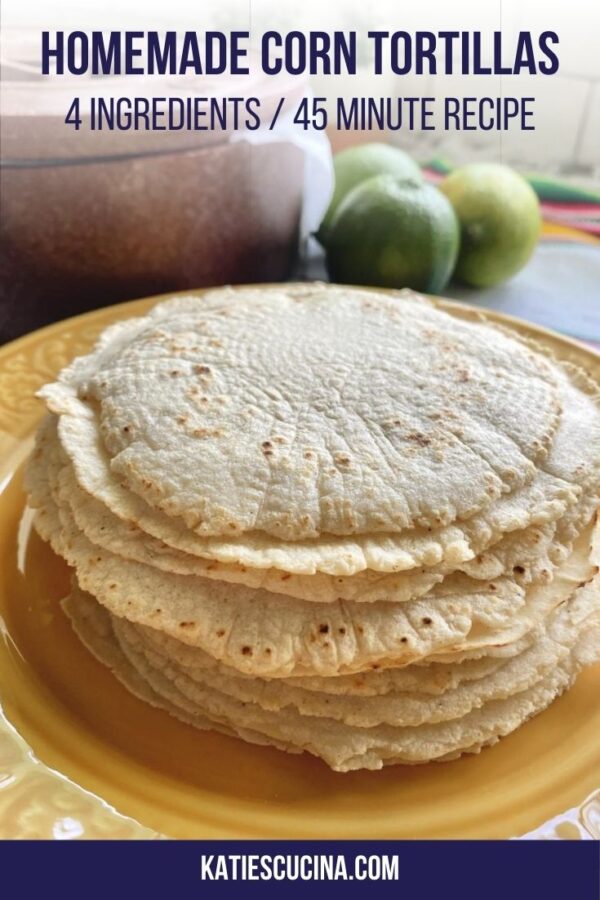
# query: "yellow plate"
{"points": [[80, 756]]}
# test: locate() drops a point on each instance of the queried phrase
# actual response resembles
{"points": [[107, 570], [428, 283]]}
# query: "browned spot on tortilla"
{"points": [[342, 460], [206, 432]]}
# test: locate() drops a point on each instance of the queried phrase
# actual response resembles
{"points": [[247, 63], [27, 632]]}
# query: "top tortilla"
{"points": [[570, 468], [308, 410]]}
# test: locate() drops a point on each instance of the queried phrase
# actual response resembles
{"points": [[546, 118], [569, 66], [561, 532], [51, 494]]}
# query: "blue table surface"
{"points": [[559, 288]]}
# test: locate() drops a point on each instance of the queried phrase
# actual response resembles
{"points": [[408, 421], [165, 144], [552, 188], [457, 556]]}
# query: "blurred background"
{"points": [[88, 220]]}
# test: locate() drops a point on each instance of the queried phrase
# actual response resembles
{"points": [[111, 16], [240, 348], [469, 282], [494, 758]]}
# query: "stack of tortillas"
{"points": [[328, 519]]}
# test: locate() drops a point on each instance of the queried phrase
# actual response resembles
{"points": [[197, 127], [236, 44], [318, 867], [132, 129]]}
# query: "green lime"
{"points": [[500, 221], [356, 164], [393, 233]]}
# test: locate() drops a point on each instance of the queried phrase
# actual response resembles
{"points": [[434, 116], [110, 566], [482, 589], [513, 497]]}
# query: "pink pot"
{"points": [[91, 219]]}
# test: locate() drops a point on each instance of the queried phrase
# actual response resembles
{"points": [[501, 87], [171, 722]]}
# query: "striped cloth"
{"points": [[569, 213]]}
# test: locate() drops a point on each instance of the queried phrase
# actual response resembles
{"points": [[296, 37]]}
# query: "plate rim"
{"points": [[439, 300]]}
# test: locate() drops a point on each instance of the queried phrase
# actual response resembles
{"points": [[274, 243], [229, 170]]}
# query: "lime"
{"points": [[392, 232], [355, 165], [499, 217]]}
